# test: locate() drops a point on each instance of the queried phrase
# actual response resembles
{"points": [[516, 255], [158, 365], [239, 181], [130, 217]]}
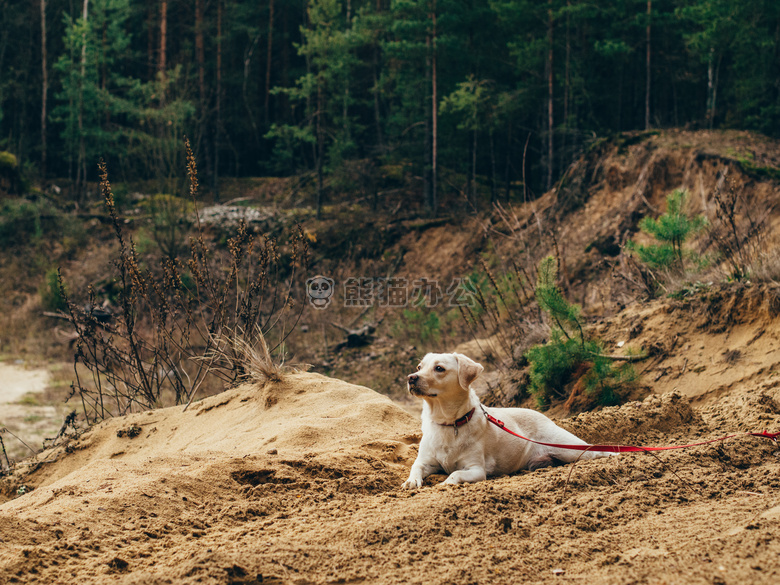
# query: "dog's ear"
{"points": [[468, 370]]}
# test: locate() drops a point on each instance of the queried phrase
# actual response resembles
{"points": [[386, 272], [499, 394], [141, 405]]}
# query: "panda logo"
{"points": [[320, 291]]}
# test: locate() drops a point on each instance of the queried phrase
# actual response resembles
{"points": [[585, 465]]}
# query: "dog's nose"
{"points": [[413, 378]]}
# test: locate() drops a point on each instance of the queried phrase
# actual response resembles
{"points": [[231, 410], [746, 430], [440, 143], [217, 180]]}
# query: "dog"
{"points": [[459, 440]]}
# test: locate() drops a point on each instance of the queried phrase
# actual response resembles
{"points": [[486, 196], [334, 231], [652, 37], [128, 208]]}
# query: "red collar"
{"points": [[462, 420]]}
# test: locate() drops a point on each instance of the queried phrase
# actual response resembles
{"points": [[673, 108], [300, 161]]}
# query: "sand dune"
{"points": [[298, 482]]}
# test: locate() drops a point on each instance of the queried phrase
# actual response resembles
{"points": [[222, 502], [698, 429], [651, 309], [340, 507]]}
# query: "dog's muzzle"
{"points": [[412, 380]]}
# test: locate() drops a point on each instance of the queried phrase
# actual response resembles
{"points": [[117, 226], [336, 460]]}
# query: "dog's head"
{"points": [[443, 375]]}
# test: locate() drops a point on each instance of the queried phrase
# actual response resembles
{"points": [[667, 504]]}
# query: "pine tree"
{"points": [[329, 45], [671, 229], [106, 114], [554, 363]]}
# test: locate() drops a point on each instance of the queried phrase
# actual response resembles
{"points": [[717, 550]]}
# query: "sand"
{"points": [[22, 414], [18, 381], [299, 482]]}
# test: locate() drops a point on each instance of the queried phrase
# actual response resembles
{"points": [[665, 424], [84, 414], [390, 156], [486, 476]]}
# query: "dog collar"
{"points": [[461, 421]]}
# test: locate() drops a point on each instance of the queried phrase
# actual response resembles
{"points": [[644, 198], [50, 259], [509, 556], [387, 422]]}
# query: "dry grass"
{"points": [[739, 229], [247, 353], [766, 267]]}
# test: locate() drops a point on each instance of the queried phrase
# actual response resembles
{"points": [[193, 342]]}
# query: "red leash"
{"points": [[623, 448]]}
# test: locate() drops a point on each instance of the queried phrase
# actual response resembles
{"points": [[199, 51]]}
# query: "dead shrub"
{"points": [[738, 228], [216, 316]]}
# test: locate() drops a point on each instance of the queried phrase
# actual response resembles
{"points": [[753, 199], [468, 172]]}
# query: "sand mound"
{"points": [[304, 416], [661, 416], [162, 475], [298, 483]]}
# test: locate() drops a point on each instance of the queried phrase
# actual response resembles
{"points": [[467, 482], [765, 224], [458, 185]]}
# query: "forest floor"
{"points": [[298, 481]]}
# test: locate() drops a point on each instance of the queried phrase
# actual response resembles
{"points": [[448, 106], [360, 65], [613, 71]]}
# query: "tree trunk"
{"points": [[162, 62], [492, 167], [104, 72], [377, 111], [150, 60], [550, 77], [215, 176], [320, 148], [715, 92], [647, 73], [200, 54], [427, 148], [81, 169], [470, 171], [283, 101], [345, 105], [44, 88], [201, 144], [473, 194], [269, 62], [435, 122], [620, 100], [508, 162], [248, 53], [566, 89], [710, 85]]}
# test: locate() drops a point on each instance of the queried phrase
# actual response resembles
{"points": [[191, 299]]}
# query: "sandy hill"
{"points": [[298, 482]]}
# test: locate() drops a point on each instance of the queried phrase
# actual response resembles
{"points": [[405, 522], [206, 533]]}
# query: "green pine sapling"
{"points": [[671, 230], [554, 364]]}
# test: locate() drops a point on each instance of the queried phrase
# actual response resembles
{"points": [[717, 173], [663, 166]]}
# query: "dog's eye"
{"points": [[419, 367], [439, 369]]}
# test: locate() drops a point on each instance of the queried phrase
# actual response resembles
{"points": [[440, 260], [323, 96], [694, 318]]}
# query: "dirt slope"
{"points": [[297, 482], [596, 208], [721, 338]]}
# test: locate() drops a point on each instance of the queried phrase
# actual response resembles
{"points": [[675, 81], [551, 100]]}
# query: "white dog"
{"points": [[459, 440]]}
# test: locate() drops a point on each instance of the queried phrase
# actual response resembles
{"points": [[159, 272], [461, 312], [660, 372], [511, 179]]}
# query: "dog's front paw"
{"points": [[412, 483]]}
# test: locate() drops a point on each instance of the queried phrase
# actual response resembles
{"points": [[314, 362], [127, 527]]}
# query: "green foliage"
{"points": [[568, 351], [470, 101], [20, 223], [671, 229], [329, 45], [565, 316], [71, 233], [103, 111], [8, 160], [500, 294], [51, 293], [359, 77], [169, 221], [12, 176], [690, 289], [553, 364], [418, 324], [27, 223]]}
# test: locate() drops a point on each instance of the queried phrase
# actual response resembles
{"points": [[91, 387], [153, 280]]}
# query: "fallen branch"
{"points": [[356, 337], [623, 358], [5, 430], [57, 315]]}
